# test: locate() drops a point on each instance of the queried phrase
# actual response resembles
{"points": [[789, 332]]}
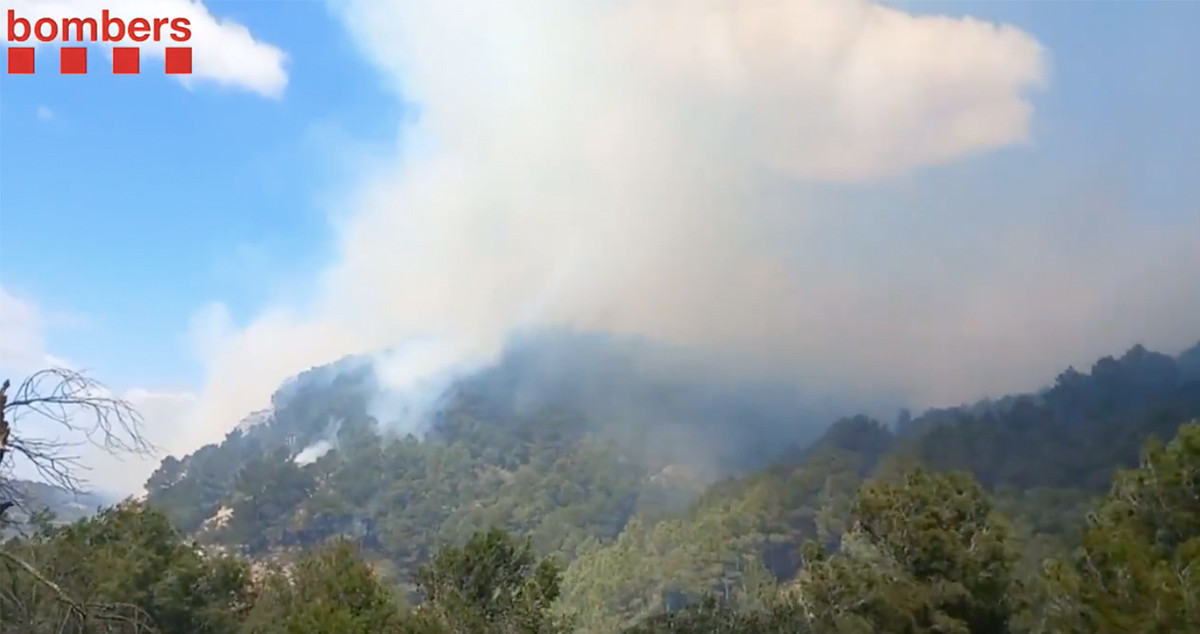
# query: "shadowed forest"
{"points": [[1071, 509]]}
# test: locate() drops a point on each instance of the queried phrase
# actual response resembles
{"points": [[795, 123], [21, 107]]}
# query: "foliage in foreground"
{"points": [[925, 552]]}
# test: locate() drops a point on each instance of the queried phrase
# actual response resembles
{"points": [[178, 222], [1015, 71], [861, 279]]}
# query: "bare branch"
{"points": [[66, 396], [61, 594], [77, 405], [120, 612]]}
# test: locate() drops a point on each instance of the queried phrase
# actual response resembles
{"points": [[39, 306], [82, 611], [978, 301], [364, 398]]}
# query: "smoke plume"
{"points": [[726, 175]]}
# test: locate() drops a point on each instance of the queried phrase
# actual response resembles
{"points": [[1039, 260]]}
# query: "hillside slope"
{"points": [[565, 442], [564, 439], [1045, 458]]}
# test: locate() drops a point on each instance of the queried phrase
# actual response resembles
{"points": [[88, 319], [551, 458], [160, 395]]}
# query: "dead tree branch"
{"points": [[129, 614], [64, 401]]}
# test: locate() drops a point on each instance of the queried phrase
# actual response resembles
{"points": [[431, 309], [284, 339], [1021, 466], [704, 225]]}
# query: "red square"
{"points": [[127, 60], [20, 60], [72, 60], [179, 60]]}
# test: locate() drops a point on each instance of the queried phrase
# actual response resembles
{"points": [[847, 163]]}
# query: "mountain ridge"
{"points": [[506, 447]]}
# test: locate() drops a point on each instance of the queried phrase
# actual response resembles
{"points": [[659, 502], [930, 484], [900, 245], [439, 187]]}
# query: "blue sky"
{"points": [[128, 204], [139, 200]]}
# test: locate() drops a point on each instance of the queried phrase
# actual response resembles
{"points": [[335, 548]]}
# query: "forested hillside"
{"points": [[526, 508], [563, 440]]}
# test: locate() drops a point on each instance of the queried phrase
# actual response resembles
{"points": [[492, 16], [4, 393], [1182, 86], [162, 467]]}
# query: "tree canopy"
{"points": [[1070, 510]]}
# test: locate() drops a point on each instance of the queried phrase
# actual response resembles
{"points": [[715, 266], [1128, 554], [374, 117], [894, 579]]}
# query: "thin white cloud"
{"points": [[223, 51], [44, 113]]}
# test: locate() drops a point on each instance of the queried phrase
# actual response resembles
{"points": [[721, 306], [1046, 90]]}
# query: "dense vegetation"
{"points": [[1031, 513]]}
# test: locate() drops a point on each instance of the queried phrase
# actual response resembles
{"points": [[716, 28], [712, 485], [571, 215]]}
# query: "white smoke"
{"points": [[313, 452], [323, 445], [651, 167], [413, 377]]}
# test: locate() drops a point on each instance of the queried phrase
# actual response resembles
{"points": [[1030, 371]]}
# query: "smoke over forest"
{"points": [[727, 176], [608, 317]]}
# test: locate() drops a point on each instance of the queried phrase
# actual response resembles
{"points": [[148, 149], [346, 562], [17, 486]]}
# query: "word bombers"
{"points": [[108, 29]]}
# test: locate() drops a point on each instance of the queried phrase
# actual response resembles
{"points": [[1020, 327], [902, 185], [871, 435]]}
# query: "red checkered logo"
{"points": [[120, 32]]}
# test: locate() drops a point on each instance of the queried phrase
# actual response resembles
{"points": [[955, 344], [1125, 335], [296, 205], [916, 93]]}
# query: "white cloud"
{"points": [[223, 51], [44, 113]]}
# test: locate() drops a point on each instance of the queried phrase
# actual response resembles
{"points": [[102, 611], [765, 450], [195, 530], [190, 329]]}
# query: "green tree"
{"points": [[330, 590], [1136, 570], [491, 584], [925, 555], [712, 616], [130, 559]]}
